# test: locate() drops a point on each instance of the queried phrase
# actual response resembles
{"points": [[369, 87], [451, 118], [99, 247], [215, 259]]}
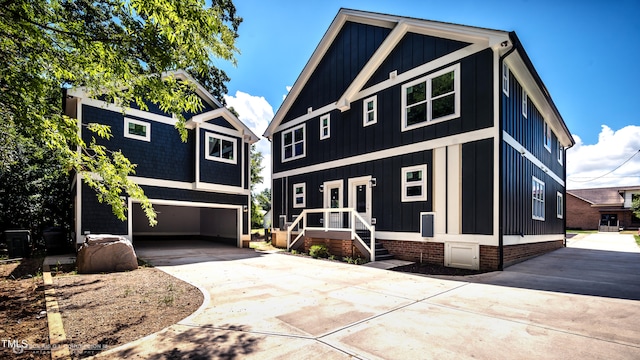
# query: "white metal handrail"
{"points": [[354, 215]]}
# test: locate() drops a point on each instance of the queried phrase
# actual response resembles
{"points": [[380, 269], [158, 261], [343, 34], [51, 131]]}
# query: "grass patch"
{"points": [[582, 231], [637, 237], [262, 246]]}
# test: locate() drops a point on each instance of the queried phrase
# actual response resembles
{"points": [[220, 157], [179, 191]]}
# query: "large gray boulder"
{"points": [[106, 253]]}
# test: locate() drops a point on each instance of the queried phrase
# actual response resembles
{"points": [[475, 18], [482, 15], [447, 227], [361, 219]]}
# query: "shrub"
{"points": [[319, 251]]}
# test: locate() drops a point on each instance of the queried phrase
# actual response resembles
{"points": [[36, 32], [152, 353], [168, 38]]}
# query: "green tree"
{"points": [[115, 49], [635, 205], [256, 178]]}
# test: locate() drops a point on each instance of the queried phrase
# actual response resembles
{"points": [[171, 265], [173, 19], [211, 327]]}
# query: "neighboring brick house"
{"points": [[438, 142], [200, 188], [604, 209]]}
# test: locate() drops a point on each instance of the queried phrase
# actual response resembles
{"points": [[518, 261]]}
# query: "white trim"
{"points": [[207, 152], [352, 183], [505, 78], [517, 146], [422, 183], [226, 114], [439, 189], [538, 187], [328, 127], [559, 205], [559, 152], [129, 111], [197, 131], [293, 143], [218, 129], [366, 111], [547, 136], [396, 151], [206, 187], [428, 101], [326, 201], [454, 189], [147, 132], [302, 186], [528, 239], [78, 224], [490, 240], [524, 103]]}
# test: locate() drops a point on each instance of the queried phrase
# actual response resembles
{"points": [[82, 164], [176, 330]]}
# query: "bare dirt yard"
{"points": [[99, 311]]}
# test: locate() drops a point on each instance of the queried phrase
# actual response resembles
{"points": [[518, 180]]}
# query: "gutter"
{"points": [[501, 159]]}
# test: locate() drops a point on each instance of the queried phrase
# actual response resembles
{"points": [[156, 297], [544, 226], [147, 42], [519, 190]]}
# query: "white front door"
{"points": [[333, 199], [360, 198]]}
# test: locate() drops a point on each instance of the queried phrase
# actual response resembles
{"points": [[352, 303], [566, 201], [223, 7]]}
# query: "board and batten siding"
{"points": [[348, 137], [163, 157]]}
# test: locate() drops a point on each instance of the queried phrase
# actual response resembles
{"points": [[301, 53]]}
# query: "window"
{"points": [[370, 111], [220, 148], [537, 199], [299, 195], [325, 127], [505, 79], [547, 136], [560, 152], [293, 145], [432, 98], [524, 103], [414, 183], [136, 129], [559, 205]]}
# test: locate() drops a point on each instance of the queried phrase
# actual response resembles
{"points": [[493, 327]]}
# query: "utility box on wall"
{"points": [[427, 224], [462, 255]]}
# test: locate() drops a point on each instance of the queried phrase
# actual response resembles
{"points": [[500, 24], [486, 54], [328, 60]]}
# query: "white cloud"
{"points": [[285, 95], [256, 113], [586, 164]]}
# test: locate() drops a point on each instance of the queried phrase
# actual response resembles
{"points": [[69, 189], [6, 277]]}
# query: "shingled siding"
{"points": [[98, 218], [165, 157]]}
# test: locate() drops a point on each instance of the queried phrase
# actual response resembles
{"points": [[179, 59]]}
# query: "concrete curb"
{"points": [[57, 336]]}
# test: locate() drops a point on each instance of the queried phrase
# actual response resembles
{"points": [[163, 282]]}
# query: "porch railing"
{"points": [[334, 219]]}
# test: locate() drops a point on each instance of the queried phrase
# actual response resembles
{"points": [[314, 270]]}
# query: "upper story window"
{"points": [[136, 129], [559, 205], [414, 183], [505, 79], [547, 136], [293, 144], [537, 199], [220, 148], [560, 152], [525, 101], [299, 195], [325, 127], [435, 97], [370, 111]]}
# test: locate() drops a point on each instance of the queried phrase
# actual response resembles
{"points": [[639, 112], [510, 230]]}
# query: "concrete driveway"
{"points": [[574, 303]]}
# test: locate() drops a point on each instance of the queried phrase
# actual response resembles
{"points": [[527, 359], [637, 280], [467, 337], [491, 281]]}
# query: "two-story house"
{"points": [[199, 188], [438, 142]]}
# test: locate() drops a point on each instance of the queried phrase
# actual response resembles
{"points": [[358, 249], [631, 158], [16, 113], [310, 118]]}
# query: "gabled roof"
{"points": [[400, 26], [480, 38], [205, 95]]}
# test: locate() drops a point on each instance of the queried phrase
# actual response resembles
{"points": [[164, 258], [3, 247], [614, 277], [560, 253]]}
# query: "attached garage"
{"points": [[185, 220]]}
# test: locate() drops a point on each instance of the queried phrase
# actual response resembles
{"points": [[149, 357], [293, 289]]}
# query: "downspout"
{"points": [[501, 160]]}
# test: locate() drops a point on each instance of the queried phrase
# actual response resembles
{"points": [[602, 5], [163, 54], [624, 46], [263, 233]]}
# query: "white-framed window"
{"points": [[547, 136], [559, 205], [293, 144], [136, 129], [435, 97], [325, 126], [505, 79], [560, 152], [220, 148], [537, 199], [370, 111], [525, 101], [299, 195], [414, 183]]}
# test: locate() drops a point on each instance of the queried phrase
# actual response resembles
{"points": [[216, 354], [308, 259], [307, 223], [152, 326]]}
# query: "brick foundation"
{"points": [[517, 253], [489, 258], [339, 248], [429, 252]]}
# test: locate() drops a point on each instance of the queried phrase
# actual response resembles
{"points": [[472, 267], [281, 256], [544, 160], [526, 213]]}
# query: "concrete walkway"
{"points": [[268, 306]]}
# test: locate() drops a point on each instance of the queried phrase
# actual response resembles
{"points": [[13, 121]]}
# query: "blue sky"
{"points": [[586, 52]]}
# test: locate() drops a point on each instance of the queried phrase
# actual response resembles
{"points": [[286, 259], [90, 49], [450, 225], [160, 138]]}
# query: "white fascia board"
{"points": [[129, 111], [526, 80], [200, 90], [232, 119], [489, 240]]}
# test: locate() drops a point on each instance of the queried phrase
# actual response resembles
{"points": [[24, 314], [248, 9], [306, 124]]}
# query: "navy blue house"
{"points": [[435, 141], [199, 188]]}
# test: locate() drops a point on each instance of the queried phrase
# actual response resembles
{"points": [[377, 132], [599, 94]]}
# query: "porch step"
{"points": [[381, 252]]}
